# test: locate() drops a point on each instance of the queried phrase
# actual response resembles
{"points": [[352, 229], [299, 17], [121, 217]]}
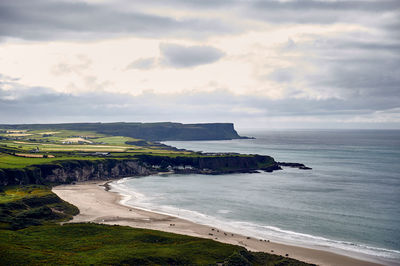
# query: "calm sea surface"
{"points": [[350, 201]]}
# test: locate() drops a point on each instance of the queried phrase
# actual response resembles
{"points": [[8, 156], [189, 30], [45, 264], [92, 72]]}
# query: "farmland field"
{"points": [[23, 148]]}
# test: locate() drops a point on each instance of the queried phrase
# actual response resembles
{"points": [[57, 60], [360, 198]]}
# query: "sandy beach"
{"points": [[101, 206]]}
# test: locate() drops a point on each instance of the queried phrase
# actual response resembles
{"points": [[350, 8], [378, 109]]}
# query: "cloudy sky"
{"points": [[259, 64]]}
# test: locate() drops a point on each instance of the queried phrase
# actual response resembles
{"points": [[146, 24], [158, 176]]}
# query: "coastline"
{"points": [[100, 205]]}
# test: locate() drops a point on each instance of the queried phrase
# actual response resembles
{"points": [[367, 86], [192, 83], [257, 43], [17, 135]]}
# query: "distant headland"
{"points": [[161, 131]]}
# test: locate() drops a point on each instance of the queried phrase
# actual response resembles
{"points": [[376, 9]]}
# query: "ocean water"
{"points": [[349, 202]]}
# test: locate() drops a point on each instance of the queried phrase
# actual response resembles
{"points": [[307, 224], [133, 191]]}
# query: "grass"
{"points": [[52, 145], [8, 161], [86, 244], [115, 140], [46, 147], [22, 206], [14, 193]]}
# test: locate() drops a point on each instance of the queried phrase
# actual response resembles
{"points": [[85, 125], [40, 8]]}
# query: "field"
{"points": [[11, 161], [22, 148]]}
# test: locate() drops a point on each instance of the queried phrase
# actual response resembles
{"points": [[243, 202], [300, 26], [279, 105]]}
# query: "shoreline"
{"points": [[97, 203]]}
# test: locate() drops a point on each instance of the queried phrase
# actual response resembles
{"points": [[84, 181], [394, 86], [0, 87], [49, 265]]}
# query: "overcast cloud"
{"points": [[188, 56], [298, 63]]}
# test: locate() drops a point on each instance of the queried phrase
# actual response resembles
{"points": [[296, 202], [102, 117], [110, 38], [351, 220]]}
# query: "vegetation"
{"points": [[19, 149], [94, 244], [23, 206], [29, 235]]}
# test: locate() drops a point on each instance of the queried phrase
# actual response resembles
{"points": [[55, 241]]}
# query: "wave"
{"points": [[138, 200]]}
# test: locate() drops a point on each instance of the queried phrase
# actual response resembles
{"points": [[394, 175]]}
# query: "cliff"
{"points": [[147, 131], [70, 171], [105, 169]]}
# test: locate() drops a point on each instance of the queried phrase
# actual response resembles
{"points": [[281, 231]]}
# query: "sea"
{"points": [[348, 203]]}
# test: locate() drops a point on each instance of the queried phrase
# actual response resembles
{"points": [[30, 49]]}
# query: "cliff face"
{"points": [[84, 170], [100, 171], [68, 172], [216, 164]]}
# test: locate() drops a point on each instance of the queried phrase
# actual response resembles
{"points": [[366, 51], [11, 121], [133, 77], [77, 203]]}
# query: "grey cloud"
{"points": [[297, 5], [325, 12], [188, 56], [351, 67], [142, 63], [36, 104], [44, 19]]}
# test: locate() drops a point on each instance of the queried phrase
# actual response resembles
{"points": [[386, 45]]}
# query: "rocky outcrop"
{"points": [[71, 171], [294, 165]]}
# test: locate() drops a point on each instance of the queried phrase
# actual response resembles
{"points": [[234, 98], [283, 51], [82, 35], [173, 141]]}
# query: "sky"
{"points": [[257, 63]]}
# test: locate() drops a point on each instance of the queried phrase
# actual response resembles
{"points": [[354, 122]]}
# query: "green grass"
{"points": [[9, 161], [14, 193], [86, 244], [115, 140], [52, 145], [22, 206], [59, 135]]}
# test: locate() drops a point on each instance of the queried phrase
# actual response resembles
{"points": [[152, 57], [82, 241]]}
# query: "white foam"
{"points": [[224, 211]]}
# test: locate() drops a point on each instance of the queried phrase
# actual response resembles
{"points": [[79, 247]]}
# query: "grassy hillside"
{"points": [[22, 206], [93, 244]]}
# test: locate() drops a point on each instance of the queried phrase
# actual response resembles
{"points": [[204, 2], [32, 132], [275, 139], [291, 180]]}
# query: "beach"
{"points": [[98, 205]]}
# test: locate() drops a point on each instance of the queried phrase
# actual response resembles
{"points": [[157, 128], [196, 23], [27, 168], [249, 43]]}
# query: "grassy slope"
{"points": [[84, 244], [87, 243], [21, 206]]}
